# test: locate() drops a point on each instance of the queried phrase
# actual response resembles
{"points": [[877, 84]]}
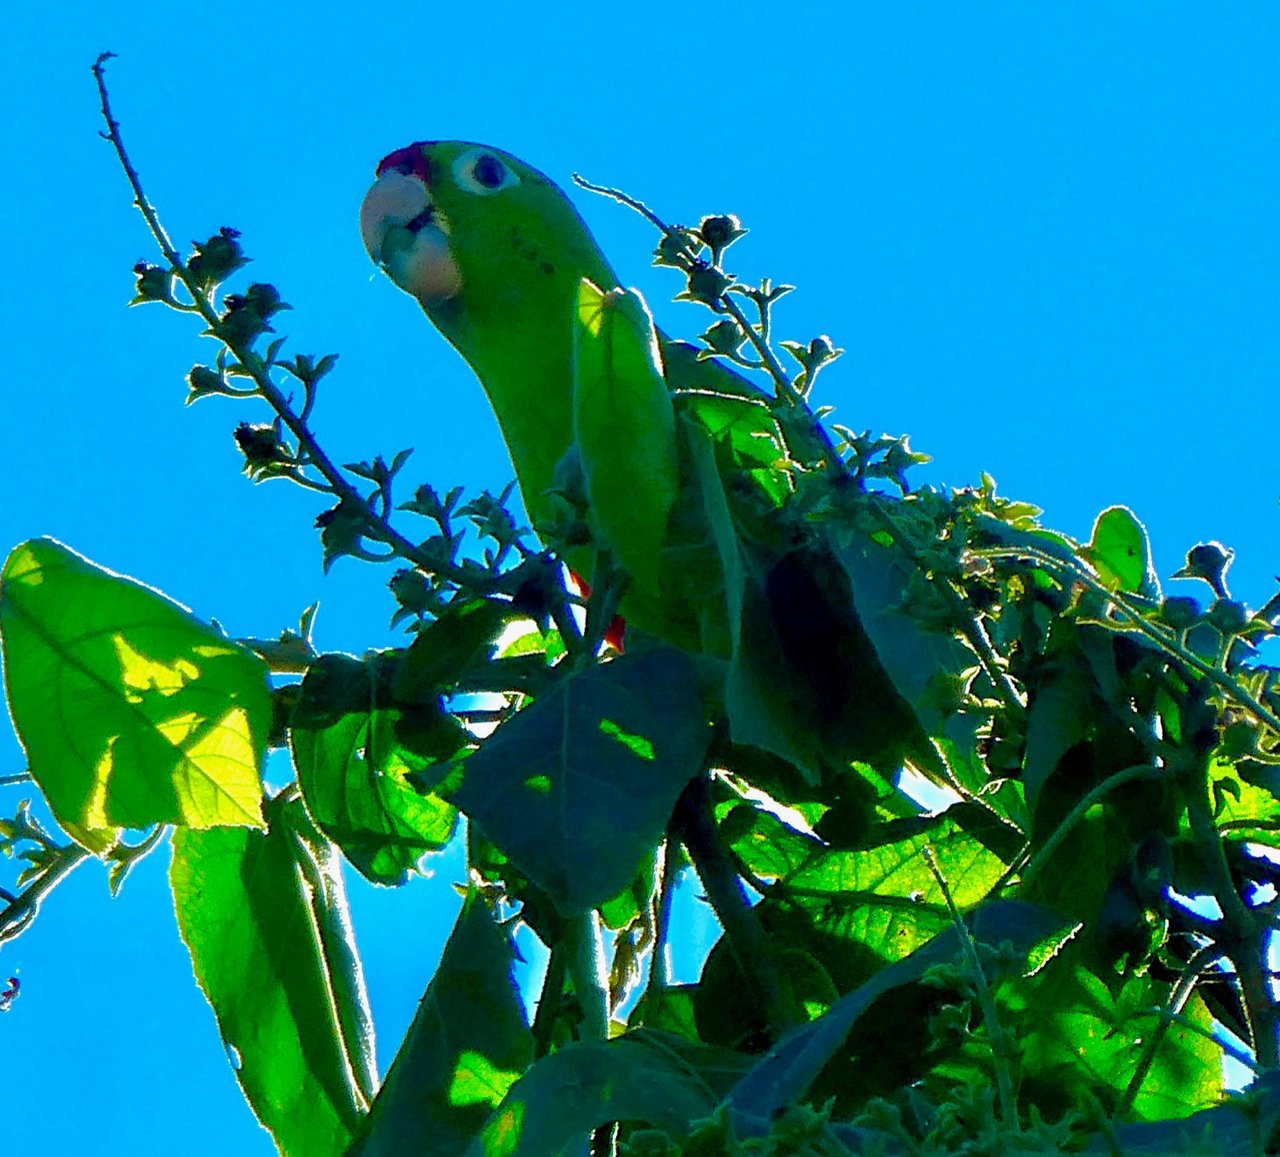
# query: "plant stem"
{"points": [[584, 958], [751, 950], [1227, 685], [376, 526], [660, 963], [22, 909], [1178, 998], [1247, 939], [544, 1019], [1000, 1040], [1033, 864]]}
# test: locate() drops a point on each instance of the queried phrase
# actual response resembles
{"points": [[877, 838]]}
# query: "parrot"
{"points": [[509, 273], [497, 256]]}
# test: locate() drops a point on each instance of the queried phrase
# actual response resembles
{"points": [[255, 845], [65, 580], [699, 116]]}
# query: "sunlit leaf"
{"points": [[794, 1063], [1119, 550], [1078, 1032], [131, 710], [264, 918], [355, 750]]}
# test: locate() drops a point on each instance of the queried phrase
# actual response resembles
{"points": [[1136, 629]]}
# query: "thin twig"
{"points": [[1224, 682], [17, 914], [376, 527], [1033, 864]]}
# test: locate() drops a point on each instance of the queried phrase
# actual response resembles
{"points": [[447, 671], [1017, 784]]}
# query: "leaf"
{"points": [[760, 712], [1061, 713], [854, 911], [1246, 1125], [1120, 552], [356, 752], [766, 844], [1077, 1033], [467, 1045], [465, 633], [131, 710], [1246, 795], [578, 787], [793, 1064], [637, 1077], [624, 425], [264, 918], [910, 656]]}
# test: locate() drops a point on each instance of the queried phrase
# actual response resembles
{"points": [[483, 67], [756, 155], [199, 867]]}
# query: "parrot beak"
{"points": [[406, 236]]}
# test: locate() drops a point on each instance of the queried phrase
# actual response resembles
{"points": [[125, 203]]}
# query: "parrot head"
{"points": [[482, 240]]}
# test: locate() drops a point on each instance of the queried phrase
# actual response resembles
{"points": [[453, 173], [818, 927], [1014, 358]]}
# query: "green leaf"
{"points": [[911, 657], [760, 712], [624, 425], [355, 750], [577, 788], [1246, 795], [854, 911], [1246, 1124], [1119, 550], [766, 844], [467, 1045], [792, 1065], [637, 1077], [131, 710], [1061, 713], [1075, 1032], [264, 918], [464, 634]]}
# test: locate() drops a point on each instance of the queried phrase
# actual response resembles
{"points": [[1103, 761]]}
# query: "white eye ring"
{"points": [[482, 171]]}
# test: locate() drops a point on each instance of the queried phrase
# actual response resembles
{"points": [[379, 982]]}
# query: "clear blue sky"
{"points": [[1048, 237]]}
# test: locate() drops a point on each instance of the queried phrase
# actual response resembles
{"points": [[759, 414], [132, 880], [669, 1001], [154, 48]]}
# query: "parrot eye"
{"points": [[479, 171]]}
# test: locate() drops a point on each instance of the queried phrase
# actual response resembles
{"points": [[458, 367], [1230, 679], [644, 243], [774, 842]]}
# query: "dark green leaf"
{"points": [[910, 656], [467, 1045], [464, 634], [850, 912], [638, 1077], [793, 1064], [577, 788]]}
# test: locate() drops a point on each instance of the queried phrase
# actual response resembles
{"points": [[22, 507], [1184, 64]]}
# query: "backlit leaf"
{"points": [[131, 710]]}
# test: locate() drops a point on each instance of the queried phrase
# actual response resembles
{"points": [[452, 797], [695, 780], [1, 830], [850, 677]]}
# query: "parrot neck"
{"points": [[521, 349]]}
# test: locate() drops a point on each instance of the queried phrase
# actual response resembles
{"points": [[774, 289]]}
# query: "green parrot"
{"points": [[679, 451], [509, 273], [494, 253]]}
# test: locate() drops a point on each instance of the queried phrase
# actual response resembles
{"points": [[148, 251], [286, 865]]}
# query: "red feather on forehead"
{"points": [[411, 161]]}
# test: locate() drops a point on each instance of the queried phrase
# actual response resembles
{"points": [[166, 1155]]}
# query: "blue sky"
{"points": [[1046, 235]]}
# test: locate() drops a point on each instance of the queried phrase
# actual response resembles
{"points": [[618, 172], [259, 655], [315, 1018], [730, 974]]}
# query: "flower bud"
{"points": [[1180, 612], [706, 284], [719, 232]]}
